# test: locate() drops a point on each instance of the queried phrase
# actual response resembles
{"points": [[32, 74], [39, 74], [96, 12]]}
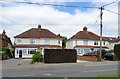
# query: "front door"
{"points": [[20, 54]]}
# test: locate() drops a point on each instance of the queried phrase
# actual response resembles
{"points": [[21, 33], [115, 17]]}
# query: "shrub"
{"points": [[117, 52], [110, 51], [60, 56], [37, 57]]}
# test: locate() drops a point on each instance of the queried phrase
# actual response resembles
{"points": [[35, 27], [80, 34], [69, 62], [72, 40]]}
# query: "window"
{"points": [[104, 42], [76, 42], [85, 42], [17, 51], [46, 41], [24, 51], [31, 51], [32, 41], [19, 40], [58, 41], [95, 42]]}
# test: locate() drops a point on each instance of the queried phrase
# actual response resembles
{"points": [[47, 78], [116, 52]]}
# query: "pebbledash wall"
{"points": [[41, 41], [73, 43]]}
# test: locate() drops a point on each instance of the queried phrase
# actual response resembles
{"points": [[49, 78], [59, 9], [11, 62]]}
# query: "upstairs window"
{"points": [[85, 42], [19, 40], [104, 43], [32, 41], [76, 42], [95, 42], [58, 41], [46, 41]]}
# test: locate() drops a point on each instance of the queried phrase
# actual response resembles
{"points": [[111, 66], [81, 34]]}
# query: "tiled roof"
{"points": [[78, 46], [111, 39], [86, 35], [37, 33], [37, 46]]}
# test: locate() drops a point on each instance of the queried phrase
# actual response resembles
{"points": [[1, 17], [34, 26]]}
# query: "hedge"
{"points": [[117, 52], [37, 57], [60, 56]]}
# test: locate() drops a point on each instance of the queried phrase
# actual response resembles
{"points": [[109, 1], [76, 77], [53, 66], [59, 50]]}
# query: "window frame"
{"points": [[32, 41]]}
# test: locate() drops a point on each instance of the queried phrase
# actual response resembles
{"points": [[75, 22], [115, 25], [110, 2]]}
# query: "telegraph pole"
{"points": [[101, 14]]}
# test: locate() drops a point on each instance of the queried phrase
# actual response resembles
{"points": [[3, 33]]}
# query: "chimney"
{"points": [[4, 33], [85, 29], [39, 26]]}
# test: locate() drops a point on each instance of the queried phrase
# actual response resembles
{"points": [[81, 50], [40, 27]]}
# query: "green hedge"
{"points": [[60, 56], [117, 52], [37, 57]]}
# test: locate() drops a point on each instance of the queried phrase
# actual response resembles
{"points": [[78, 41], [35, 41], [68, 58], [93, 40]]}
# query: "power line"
{"points": [[53, 4], [95, 21], [110, 3], [112, 11]]}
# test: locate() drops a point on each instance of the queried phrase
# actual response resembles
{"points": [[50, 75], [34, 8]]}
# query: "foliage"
{"points": [[110, 51], [37, 57], [60, 56], [117, 52], [64, 39]]}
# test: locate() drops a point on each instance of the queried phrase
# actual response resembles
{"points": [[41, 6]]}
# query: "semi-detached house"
{"points": [[86, 41], [35, 39]]}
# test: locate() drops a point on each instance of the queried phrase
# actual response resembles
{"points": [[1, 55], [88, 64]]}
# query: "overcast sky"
{"points": [[16, 18]]}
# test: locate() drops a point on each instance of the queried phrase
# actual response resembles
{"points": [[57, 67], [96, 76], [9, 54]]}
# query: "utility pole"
{"points": [[101, 14]]}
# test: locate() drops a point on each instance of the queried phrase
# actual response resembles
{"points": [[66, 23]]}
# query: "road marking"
{"points": [[100, 65], [22, 75], [102, 70], [47, 74]]}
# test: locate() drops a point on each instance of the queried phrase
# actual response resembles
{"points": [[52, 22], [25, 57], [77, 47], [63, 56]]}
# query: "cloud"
{"points": [[17, 19]]}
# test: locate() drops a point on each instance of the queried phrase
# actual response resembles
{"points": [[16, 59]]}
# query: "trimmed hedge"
{"points": [[117, 52], [60, 56]]}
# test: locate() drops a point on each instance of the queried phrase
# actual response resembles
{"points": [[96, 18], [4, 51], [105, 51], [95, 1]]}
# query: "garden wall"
{"points": [[88, 58]]}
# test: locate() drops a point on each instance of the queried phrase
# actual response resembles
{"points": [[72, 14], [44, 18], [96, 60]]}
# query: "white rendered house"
{"points": [[35, 39], [85, 41]]}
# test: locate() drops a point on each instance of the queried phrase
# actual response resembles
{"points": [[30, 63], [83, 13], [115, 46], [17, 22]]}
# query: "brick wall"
{"points": [[88, 58]]}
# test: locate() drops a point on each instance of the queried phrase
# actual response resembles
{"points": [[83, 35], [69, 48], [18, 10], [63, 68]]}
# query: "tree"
{"points": [[64, 39], [117, 52]]}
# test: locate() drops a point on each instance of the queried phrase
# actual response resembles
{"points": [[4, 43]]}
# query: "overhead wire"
{"points": [[112, 11]]}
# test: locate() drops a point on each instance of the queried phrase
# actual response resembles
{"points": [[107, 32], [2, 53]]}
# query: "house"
{"points": [[85, 41], [112, 41], [5, 41], [35, 39]]}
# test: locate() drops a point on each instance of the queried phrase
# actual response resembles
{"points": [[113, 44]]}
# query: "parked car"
{"points": [[91, 54], [109, 56]]}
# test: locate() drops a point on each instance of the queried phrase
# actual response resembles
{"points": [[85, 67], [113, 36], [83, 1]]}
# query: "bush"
{"points": [[60, 56], [110, 51], [117, 52], [37, 57]]}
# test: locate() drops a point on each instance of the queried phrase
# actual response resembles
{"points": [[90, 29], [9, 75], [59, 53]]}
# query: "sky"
{"points": [[16, 18]]}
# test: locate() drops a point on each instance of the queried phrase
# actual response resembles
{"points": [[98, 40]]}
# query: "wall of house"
{"points": [[38, 41], [73, 43], [111, 45], [69, 44]]}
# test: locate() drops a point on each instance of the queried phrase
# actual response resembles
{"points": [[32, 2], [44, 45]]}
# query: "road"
{"points": [[84, 69]]}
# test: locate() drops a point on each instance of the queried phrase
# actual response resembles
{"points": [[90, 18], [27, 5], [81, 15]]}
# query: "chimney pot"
{"points": [[85, 29], [39, 26], [4, 33]]}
